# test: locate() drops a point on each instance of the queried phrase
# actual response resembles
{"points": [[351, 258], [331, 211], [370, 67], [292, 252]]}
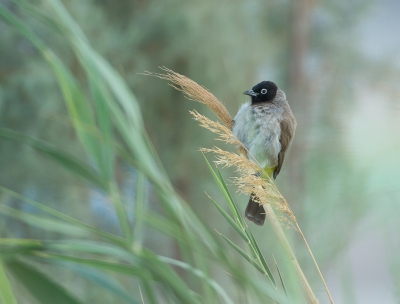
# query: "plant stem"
{"points": [[315, 263], [288, 250]]}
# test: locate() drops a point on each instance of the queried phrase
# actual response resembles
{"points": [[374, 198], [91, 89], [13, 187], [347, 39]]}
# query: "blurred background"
{"points": [[338, 63]]}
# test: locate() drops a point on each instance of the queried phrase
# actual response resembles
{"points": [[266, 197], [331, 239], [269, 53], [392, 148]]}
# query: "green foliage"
{"points": [[71, 128], [43, 289], [111, 109], [7, 295]]}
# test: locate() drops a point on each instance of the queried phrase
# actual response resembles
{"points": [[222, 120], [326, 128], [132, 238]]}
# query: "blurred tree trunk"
{"points": [[299, 93]]}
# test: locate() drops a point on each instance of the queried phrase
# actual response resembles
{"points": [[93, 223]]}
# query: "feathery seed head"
{"points": [[194, 91]]}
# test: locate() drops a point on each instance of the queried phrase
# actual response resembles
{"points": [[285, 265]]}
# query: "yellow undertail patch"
{"points": [[269, 171]]}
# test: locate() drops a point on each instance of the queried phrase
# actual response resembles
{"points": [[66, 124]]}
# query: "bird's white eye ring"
{"points": [[264, 91]]}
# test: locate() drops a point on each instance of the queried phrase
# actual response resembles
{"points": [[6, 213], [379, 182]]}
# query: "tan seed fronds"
{"points": [[248, 182], [224, 134], [194, 91], [229, 159], [264, 189]]}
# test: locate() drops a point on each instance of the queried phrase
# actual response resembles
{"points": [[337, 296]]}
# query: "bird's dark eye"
{"points": [[264, 91]]}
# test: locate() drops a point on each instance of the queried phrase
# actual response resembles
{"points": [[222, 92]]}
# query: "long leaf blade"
{"points": [[41, 287], [99, 264], [6, 293], [230, 220], [115, 239], [220, 186], [280, 277], [43, 222], [260, 256], [231, 202], [68, 161], [101, 279], [244, 254]]}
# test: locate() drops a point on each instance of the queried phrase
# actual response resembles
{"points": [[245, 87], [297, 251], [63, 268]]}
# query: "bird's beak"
{"points": [[250, 93]]}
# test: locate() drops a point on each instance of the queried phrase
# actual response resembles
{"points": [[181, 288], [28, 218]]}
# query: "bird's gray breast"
{"points": [[258, 128]]}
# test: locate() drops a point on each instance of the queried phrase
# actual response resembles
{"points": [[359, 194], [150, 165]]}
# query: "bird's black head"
{"points": [[262, 92]]}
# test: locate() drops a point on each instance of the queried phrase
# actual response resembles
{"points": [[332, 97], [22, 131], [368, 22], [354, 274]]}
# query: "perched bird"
{"points": [[266, 127]]}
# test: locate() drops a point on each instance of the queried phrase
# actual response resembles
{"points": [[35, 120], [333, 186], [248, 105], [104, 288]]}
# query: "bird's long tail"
{"points": [[254, 211]]}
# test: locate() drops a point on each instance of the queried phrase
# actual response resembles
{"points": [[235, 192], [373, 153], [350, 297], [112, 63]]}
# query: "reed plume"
{"points": [[196, 92]]}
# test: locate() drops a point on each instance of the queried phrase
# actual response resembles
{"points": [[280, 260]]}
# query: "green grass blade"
{"points": [[164, 273], [208, 293], [9, 248], [20, 242], [148, 287], [102, 100], [79, 110], [121, 212], [41, 287], [280, 277], [99, 264], [93, 60], [101, 279], [224, 184], [16, 24], [9, 252], [230, 220], [218, 288], [170, 228], [162, 224], [68, 161], [113, 238], [244, 254], [221, 187], [92, 247], [260, 256], [159, 271], [44, 222], [6, 293], [37, 12], [100, 95], [169, 296], [231, 202], [139, 213]]}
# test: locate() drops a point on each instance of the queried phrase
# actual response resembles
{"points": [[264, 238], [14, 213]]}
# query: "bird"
{"points": [[265, 125]]}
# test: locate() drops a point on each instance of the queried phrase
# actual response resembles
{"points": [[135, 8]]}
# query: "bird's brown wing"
{"points": [[288, 126]]}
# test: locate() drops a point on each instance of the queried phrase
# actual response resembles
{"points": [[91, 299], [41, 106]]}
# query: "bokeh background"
{"points": [[339, 65]]}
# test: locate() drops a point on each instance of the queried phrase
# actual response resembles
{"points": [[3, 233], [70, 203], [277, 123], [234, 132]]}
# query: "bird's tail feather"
{"points": [[254, 211]]}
